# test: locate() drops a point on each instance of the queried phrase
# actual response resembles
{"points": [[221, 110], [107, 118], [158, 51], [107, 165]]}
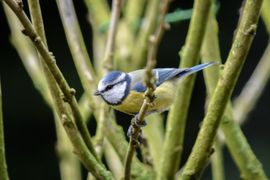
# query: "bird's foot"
{"points": [[131, 135], [136, 124], [139, 123]]}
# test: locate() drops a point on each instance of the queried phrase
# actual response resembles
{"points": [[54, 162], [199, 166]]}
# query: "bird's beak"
{"points": [[97, 93]]}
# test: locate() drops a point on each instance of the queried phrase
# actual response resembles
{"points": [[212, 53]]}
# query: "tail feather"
{"points": [[195, 69]]}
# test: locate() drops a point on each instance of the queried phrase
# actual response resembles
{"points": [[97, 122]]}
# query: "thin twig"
{"points": [[78, 49], [68, 92], [253, 89], [175, 129], [202, 149], [3, 163], [149, 94], [217, 163], [116, 137], [139, 54], [105, 68], [109, 50]]}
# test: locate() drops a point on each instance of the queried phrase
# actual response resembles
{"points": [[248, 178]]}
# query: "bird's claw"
{"points": [[135, 141], [139, 123]]}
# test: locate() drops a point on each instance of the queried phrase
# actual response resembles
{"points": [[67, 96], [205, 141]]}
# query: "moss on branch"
{"points": [[203, 146], [234, 137], [174, 137]]}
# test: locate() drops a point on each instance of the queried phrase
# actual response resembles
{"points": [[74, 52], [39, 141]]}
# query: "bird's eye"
{"points": [[109, 87]]}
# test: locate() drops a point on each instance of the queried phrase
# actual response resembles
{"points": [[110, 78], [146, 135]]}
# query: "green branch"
{"points": [[254, 87], [217, 162], [69, 166], [174, 137], [86, 157], [210, 52], [149, 94], [117, 139], [78, 49], [99, 12], [203, 146], [27, 54], [139, 54], [3, 163], [51, 63], [234, 137], [106, 66], [89, 161], [133, 13], [265, 13], [110, 44], [154, 134]]}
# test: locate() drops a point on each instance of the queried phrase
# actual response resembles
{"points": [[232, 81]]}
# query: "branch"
{"points": [[89, 161], [174, 137], [253, 89], [78, 49], [133, 13], [139, 54], [203, 146], [98, 11], [154, 134], [210, 52], [51, 63], [87, 158], [109, 50], [3, 163], [27, 54], [149, 94], [117, 139], [265, 13], [107, 65], [234, 137], [69, 166], [217, 162]]}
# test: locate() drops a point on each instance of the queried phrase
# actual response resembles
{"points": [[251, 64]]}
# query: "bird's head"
{"points": [[114, 87]]}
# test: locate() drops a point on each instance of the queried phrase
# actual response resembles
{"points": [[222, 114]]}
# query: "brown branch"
{"points": [[149, 94]]}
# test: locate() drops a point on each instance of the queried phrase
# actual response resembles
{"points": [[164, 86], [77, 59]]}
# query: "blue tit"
{"points": [[125, 91]]}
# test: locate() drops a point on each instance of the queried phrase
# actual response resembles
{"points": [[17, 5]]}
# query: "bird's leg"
{"points": [[138, 125]]}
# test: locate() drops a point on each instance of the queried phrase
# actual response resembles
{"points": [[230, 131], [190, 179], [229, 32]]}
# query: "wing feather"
{"points": [[163, 74]]}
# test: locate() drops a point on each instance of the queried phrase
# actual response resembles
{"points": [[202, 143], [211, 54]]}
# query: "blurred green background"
{"points": [[29, 126]]}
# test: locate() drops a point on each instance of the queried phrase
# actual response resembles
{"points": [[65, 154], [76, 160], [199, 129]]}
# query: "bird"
{"points": [[125, 91]]}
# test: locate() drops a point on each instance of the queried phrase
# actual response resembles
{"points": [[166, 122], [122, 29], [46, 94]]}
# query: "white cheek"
{"points": [[116, 94]]}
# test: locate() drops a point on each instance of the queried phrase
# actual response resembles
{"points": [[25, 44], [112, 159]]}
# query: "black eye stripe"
{"points": [[111, 86]]}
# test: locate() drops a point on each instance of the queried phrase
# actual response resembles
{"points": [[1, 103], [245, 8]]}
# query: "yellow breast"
{"points": [[165, 94]]}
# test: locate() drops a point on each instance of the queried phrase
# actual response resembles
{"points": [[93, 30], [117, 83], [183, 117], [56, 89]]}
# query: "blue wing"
{"points": [[163, 74]]}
